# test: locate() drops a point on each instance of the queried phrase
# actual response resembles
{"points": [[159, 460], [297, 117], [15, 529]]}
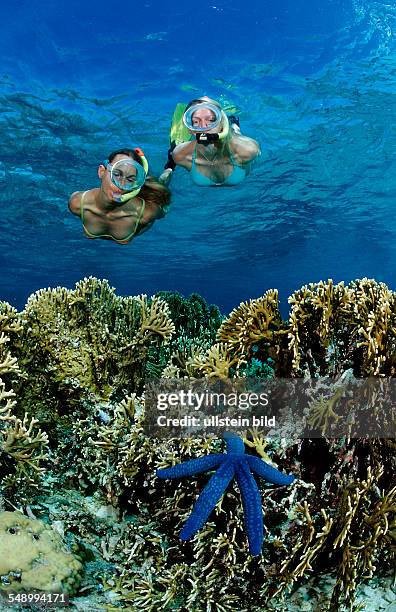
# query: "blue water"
{"points": [[314, 83]]}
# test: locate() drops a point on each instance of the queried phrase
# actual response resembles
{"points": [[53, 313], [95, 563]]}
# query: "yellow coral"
{"points": [[7, 402], [216, 363], [252, 322], [156, 318], [364, 312], [23, 444], [9, 319], [322, 413], [314, 308]]}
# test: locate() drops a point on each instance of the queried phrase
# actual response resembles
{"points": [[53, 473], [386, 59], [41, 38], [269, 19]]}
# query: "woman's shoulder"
{"points": [[76, 198], [183, 150], [75, 202], [245, 148]]}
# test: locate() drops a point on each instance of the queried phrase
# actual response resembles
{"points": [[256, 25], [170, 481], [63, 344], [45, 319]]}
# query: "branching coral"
{"points": [[22, 443], [355, 535], [10, 327], [366, 514], [23, 449], [253, 322], [216, 363], [306, 548], [184, 351], [196, 325], [7, 363], [315, 309], [192, 316], [374, 323], [322, 414], [104, 441], [358, 321], [155, 318], [87, 344], [7, 402]]}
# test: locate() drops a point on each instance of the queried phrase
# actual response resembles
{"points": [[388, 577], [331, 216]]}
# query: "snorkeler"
{"points": [[126, 204], [219, 155]]}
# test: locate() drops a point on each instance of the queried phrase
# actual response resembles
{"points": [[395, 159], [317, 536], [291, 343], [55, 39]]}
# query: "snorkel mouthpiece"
{"points": [[207, 139]]}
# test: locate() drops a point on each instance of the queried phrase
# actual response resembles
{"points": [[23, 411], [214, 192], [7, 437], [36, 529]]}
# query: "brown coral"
{"points": [[216, 363], [252, 322]]}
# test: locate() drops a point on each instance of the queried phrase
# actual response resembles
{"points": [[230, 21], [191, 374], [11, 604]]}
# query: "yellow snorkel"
{"points": [[226, 127]]}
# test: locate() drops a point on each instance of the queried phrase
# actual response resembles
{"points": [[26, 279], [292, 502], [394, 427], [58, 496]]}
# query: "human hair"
{"points": [[130, 152], [155, 192], [152, 191], [202, 101]]}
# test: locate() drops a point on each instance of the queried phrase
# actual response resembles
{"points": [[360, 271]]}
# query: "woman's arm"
{"points": [[75, 203], [246, 149], [182, 154]]}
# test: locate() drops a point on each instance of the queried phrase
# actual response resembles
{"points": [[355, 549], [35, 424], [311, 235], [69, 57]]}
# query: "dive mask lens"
{"points": [[127, 174], [202, 117]]}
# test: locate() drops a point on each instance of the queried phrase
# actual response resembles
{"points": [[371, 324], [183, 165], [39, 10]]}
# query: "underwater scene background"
{"points": [[91, 505], [313, 82]]}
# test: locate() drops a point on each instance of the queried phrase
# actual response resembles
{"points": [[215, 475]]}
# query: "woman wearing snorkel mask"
{"points": [[126, 204], [219, 155]]}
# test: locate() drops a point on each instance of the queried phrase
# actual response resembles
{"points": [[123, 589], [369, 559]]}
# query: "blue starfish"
{"points": [[233, 462]]}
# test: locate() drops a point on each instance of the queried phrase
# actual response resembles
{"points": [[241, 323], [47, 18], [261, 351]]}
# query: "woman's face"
{"points": [[112, 191], [203, 118]]}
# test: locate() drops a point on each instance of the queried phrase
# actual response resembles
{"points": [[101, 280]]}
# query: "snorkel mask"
{"points": [[203, 122], [128, 175]]}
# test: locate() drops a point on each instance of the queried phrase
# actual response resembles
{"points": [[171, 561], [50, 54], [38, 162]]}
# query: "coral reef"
{"points": [[251, 323], [85, 345], [74, 366], [23, 447], [343, 326]]}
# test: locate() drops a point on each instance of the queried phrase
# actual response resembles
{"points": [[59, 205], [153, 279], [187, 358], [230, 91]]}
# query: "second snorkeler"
{"points": [[127, 202], [219, 155]]}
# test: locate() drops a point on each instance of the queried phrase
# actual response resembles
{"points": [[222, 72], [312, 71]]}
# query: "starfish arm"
{"points": [[194, 466], [268, 472], [208, 499], [252, 508], [234, 443]]}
